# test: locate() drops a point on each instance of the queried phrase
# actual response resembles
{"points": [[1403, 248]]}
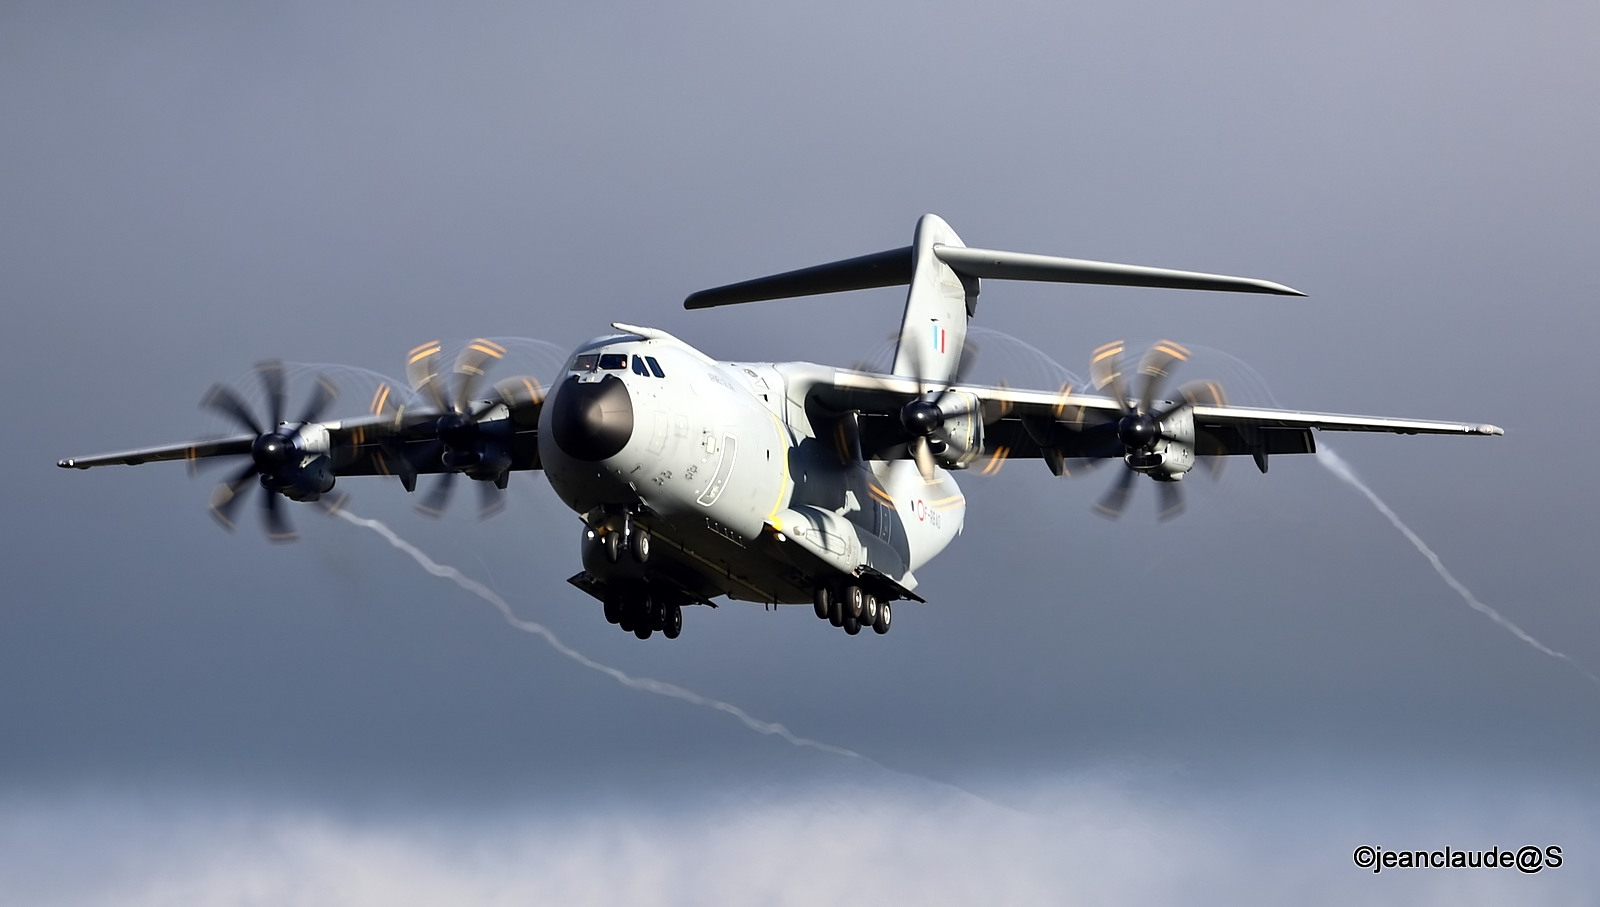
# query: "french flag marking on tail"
{"points": [[938, 338]]}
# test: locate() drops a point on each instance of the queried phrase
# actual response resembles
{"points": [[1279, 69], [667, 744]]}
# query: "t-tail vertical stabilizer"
{"points": [[933, 330]]}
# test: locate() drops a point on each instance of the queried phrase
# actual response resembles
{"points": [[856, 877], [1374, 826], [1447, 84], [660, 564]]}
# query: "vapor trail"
{"points": [[659, 687], [1336, 465]]}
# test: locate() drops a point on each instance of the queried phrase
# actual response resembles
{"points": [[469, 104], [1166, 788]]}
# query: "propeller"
{"points": [[456, 436], [275, 455], [924, 418], [1138, 431]]}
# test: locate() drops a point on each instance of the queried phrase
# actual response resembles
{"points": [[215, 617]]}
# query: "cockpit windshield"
{"points": [[589, 362]]}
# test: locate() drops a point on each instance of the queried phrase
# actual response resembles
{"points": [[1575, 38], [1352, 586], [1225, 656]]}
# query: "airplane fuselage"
{"points": [[721, 464]]}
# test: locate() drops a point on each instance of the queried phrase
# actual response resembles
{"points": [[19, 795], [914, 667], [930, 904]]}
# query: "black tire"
{"points": [[642, 632], [852, 625], [885, 617], [673, 624], [613, 543], [614, 609], [639, 545], [852, 601], [836, 613], [820, 600], [869, 609]]}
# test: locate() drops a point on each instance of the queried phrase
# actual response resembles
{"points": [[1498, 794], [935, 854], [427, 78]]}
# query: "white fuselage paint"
{"points": [[727, 469]]}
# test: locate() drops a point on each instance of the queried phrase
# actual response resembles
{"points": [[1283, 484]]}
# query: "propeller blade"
{"points": [[195, 465], [331, 504], [1202, 393], [271, 372], [1077, 466], [225, 401], [847, 438], [1106, 368], [969, 358], [1208, 452], [520, 392], [922, 452], [423, 373], [321, 398], [470, 367], [997, 460], [225, 497], [491, 500], [1171, 499], [1111, 506], [391, 461], [278, 529], [434, 503], [1156, 367]]}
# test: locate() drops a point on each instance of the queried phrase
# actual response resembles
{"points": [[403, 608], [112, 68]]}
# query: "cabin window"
{"points": [[655, 367]]}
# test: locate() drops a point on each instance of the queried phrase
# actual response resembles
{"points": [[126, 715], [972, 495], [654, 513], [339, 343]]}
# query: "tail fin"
{"points": [[944, 277], [933, 329]]}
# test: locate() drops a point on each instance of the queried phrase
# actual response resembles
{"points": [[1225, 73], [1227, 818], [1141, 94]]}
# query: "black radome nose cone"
{"points": [[592, 421]]}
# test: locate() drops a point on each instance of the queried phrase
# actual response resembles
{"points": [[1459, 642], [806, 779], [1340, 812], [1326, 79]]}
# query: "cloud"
{"points": [[1074, 842]]}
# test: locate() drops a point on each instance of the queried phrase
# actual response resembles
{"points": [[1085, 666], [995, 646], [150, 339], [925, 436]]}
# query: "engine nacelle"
{"points": [[1174, 455], [960, 437], [308, 482]]}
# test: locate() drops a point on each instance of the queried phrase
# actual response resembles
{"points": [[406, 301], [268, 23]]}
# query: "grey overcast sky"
{"points": [[1229, 703]]}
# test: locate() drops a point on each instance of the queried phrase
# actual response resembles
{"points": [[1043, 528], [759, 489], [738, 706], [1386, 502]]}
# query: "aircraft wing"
{"points": [[369, 445], [1021, 423]]}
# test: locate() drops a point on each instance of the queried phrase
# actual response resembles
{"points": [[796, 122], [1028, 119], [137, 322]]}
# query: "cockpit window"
{"points": [[586, 362], [638, 367], [655, 367], [613, 360]]}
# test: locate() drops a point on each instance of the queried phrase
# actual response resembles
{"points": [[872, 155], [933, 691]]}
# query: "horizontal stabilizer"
{"points": [[881, 269], [895, 267], [1023, 266]]}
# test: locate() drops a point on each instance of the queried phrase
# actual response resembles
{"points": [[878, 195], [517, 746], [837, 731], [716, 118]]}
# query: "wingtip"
{"points": [[64, 464], [1490, 430]]}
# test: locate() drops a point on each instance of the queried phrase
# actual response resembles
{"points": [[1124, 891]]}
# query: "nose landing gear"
{"points": [[632, 537]]}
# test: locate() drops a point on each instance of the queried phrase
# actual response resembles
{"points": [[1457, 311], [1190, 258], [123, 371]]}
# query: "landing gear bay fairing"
{"points": [[780, 483]]}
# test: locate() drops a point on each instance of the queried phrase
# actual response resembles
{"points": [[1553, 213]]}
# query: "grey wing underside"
{"points": [[1027, 423], [358, 447]]}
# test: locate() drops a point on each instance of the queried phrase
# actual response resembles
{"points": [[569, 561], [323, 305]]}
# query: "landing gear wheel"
{"points": [[852, 602], [821, 602], [614, 609], [869, 609], [642, 632], [672, 625], [852, 625], [613, 543], [639, 545], [836, 613], [885, 616]]}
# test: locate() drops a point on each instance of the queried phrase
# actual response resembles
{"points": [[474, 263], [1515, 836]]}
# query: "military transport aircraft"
{"points": [[781, 483]]}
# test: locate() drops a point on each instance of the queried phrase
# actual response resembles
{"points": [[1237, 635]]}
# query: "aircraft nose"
{"points": [[592, 421]]}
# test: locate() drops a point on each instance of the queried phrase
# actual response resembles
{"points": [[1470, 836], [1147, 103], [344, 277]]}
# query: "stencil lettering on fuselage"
{"points": [[730, 449]]}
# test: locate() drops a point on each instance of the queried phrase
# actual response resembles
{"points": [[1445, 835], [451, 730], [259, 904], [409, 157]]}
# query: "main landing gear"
{"points": [[641, 613], [850, 608]]}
